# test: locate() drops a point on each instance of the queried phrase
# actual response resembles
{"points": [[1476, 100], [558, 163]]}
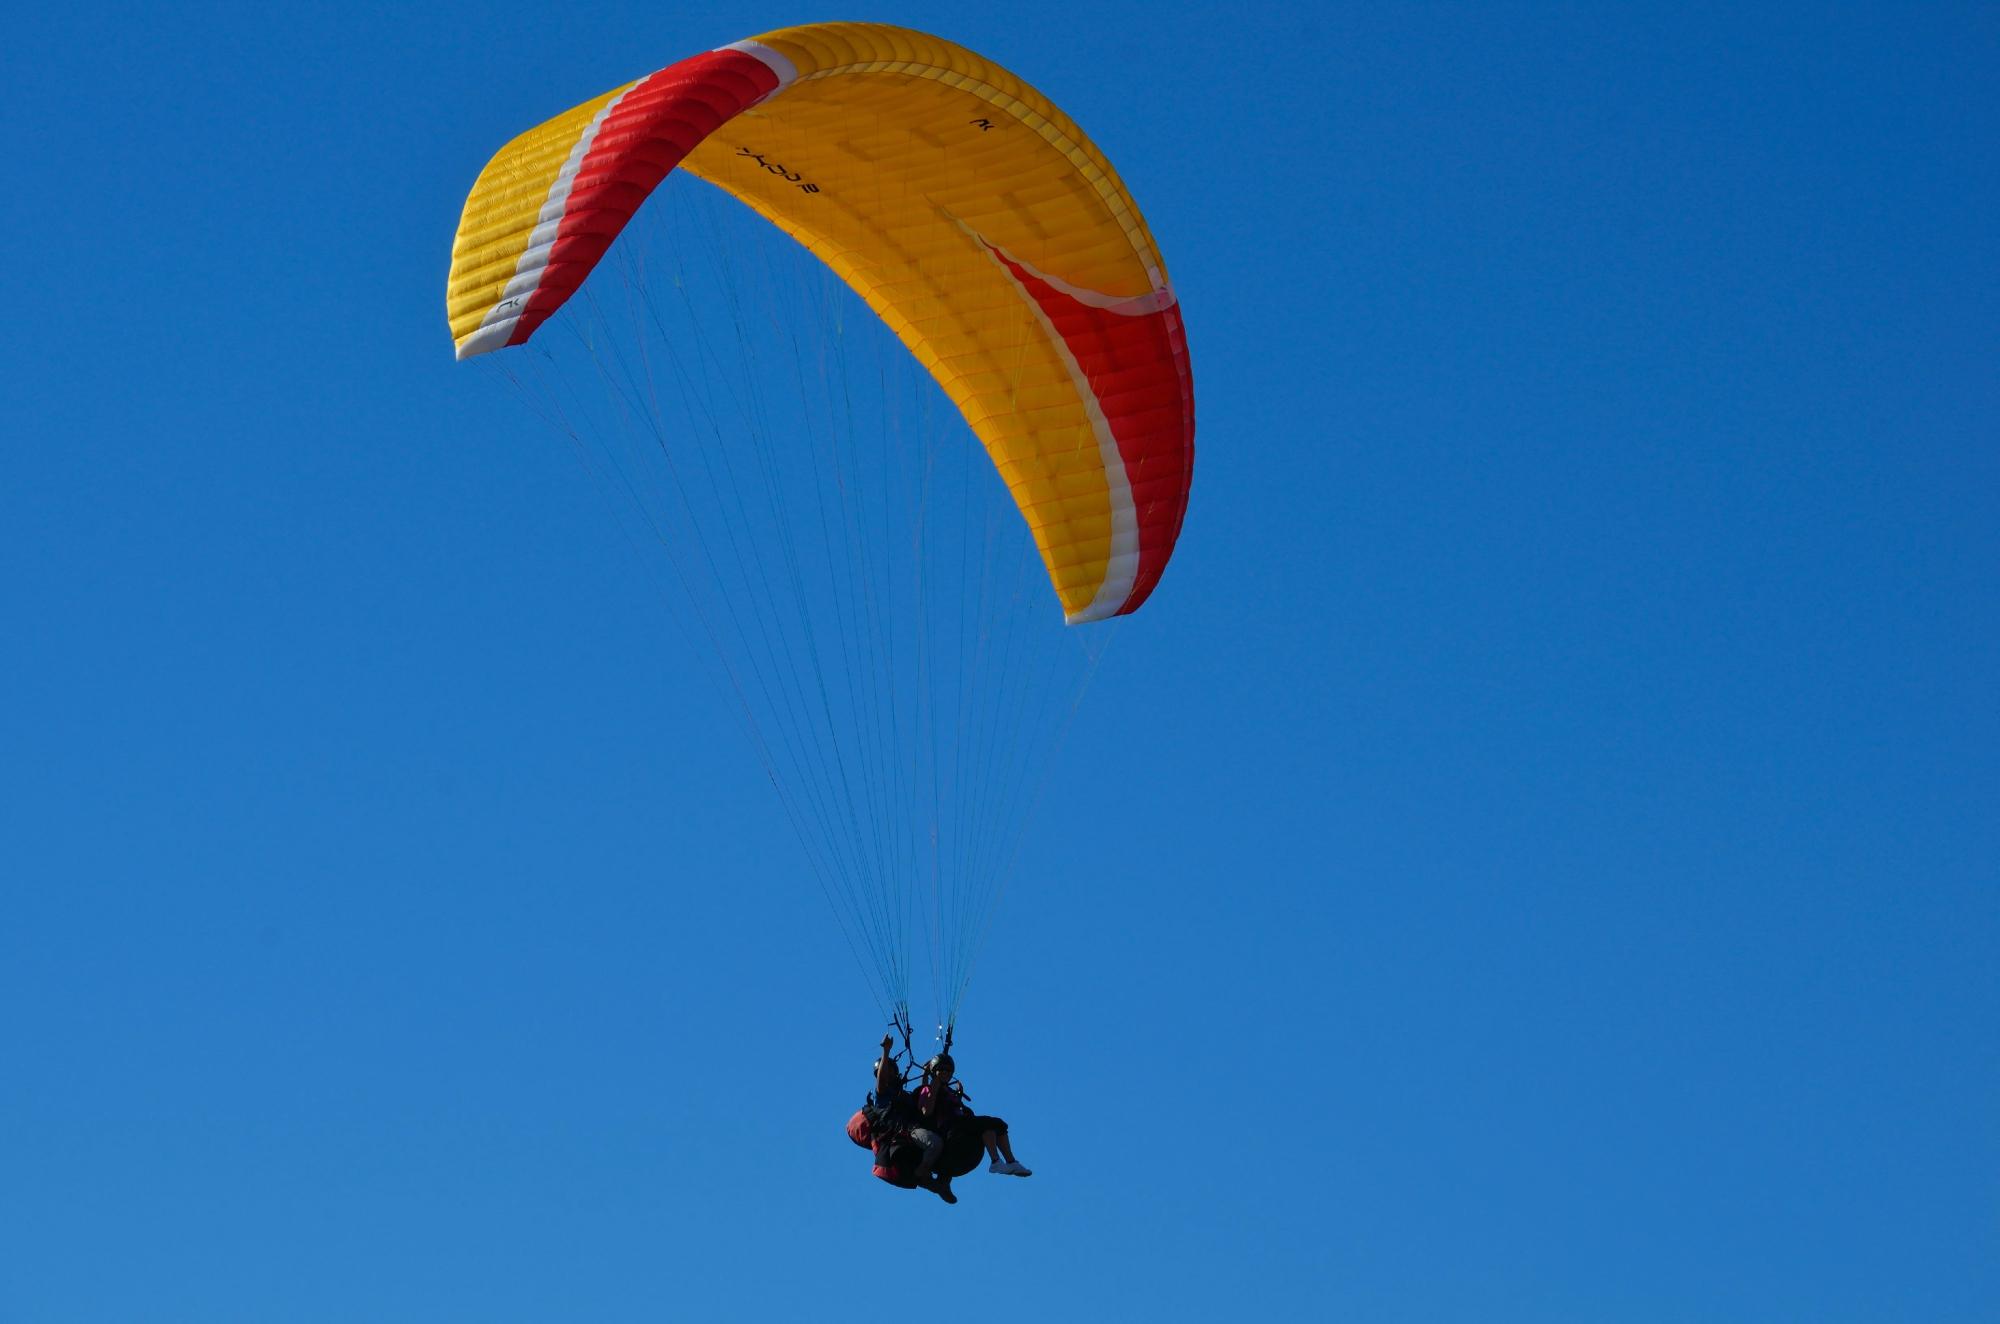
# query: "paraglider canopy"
{"points": [[890, 654], [974, 217]]}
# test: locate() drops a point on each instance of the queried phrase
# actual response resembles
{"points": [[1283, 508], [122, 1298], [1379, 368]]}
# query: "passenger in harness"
{"points": [[944, 1106]]}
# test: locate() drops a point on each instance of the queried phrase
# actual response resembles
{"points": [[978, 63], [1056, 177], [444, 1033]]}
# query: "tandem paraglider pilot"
{"points": [[923, 1139]]}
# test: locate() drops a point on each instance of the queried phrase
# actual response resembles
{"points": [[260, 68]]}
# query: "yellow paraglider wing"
{"points": [[972, 215]]}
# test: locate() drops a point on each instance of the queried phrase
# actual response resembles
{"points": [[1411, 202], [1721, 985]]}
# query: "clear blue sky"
{"points": [[1555, 784]]}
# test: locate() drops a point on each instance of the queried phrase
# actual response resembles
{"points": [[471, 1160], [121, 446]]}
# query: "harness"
{"points": [[883, 1114]]}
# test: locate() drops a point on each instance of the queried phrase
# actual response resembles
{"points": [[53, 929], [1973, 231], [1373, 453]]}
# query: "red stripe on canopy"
{"points": [[1137, 367], [663, 118]]}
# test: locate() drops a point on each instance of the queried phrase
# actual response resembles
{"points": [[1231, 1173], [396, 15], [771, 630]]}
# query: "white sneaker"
{"points": [[997, 1165], [1016, 1169]]}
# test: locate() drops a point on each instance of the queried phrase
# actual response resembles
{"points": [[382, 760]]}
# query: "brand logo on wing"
{"points": [[789, 176]]}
